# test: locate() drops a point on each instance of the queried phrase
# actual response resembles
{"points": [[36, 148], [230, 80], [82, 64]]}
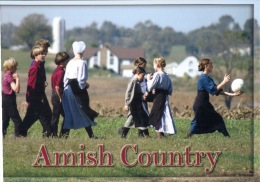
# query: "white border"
{"points": [[255, 3], [128, 2]]}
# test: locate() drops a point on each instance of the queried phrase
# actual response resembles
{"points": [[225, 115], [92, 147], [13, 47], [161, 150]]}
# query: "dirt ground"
{"points": [[110, 93]]}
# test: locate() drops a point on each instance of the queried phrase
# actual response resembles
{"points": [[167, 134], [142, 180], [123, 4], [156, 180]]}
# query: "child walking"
{"points": [[160, 116], [206, 119], [133, 99], [10, 86], [75, 102], [36, 101], [57, 85], [139, 62]]}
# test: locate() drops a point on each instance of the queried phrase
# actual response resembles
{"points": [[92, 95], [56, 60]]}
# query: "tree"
{"points": [[109, 32], [8, 32], [32, 28], [222, 43]]}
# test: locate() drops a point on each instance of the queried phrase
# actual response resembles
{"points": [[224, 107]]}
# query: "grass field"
{"points": [[239, 161], [236, 159]]}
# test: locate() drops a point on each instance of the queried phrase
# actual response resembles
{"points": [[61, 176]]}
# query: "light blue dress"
{"points": [[75, 117], [162, 81]]}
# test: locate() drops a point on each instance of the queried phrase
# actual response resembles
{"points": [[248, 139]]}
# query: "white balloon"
{"points": [[237, 85]]}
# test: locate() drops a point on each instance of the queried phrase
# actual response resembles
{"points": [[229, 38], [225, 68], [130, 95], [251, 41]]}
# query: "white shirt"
{"points": [[76, 69]]}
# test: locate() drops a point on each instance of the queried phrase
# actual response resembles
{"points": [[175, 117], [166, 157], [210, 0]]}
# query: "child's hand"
{"points": [[153, 91], [238, 93], [149, 76], [135, 76], [145, 95], [15, 76], [226, 78], [87, 85], [126, 108], [26, 104]]}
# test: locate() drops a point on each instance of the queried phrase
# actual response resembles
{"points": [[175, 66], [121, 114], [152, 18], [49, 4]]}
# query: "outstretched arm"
{"points": [[225, 80], [231, 94]]}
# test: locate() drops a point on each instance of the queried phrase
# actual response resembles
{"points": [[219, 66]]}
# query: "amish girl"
{"points": [[160, 116], [138, 116], [206, 119], [10, 86], [78, 113], [139, 62]]}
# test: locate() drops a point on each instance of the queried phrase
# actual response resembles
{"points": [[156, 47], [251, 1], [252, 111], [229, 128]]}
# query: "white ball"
{"points": [[237, 85]]}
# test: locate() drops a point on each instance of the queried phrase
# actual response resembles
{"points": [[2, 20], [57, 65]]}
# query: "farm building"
{"points": [[189, 66], [120, 60]]}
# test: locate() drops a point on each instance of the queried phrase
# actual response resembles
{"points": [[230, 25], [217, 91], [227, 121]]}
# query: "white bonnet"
{"points": [[78, 47]]}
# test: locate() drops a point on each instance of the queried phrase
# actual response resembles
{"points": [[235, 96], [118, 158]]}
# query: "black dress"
{"points": [[206, 119], [134, 97]]}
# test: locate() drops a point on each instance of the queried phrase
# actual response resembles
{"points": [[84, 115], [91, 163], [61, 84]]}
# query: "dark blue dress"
{"points": [[206, 119]]}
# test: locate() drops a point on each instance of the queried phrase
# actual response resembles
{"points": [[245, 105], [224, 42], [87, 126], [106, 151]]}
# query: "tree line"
{"points": [[222, 41], [210, 40]]}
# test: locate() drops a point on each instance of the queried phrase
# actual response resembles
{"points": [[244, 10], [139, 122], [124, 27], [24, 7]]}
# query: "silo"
{"points": [[58, 32]]}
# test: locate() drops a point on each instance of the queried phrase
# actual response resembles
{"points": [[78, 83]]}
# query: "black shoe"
{"points": [[140, 133], [120, 130], [94, 137], [189, 134], [225, 133]]}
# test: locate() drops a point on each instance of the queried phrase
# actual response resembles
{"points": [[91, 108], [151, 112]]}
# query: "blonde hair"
{"points": [[37, 50], [160, 61], [43, 43], [9, 64]]}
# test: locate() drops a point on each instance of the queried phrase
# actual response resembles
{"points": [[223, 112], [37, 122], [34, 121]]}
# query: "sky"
{"points": [[181, 17]]}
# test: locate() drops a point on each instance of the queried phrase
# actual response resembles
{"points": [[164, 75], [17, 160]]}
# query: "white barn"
{"points": [[120, 60], [189, 66]]}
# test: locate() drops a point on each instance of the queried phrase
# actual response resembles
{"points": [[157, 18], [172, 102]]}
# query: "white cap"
{"points": [[78, 47]]}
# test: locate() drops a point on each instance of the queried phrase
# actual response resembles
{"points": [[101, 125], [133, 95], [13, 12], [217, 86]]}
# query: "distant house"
{"points": [[120, 60], [189, 66]]}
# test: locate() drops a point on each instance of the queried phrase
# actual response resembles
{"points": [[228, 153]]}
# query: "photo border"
{"points": [[256, 12]]}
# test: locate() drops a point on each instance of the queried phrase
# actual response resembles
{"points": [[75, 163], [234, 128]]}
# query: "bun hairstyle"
{"points": [[160, 61], [139, 61], [202, 64], [61, 57], [138, 70]]}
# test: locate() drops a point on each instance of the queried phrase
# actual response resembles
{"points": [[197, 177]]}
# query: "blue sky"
{"points": [[181, 17]]}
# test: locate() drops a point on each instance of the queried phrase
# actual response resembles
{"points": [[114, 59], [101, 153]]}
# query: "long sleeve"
{"points": [[82, 74], [209, 85], [130, 92], [153, 83], [31, 83], [170, 87]]}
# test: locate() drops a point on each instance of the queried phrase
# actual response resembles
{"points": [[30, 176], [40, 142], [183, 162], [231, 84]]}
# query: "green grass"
{"points": [[24, 61], [23, 58], [236, 158]]}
